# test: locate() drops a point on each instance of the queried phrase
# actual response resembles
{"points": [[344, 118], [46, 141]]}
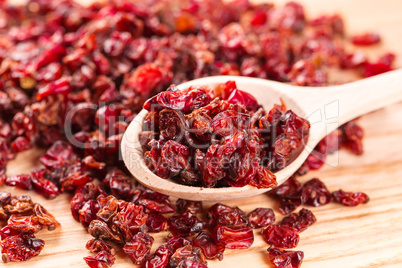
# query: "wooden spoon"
{"points": [[325, 107]]}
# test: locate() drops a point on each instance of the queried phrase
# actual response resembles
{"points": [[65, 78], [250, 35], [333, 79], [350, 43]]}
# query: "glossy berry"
{"points": [[285, 258], [261, 217], [299, 221], [315, 193], [233, 237], [281, 236], [349, 198]]}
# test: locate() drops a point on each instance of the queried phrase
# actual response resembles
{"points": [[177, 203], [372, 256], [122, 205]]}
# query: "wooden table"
{"points": [[365, 236]]}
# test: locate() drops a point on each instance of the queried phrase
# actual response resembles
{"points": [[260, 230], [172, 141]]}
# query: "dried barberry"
{"points": [[233, 237], [183, 205], [102, 259], [261, 217], [285, 258], [300, 221], [161, 257], [281, 236], [21, 247], [188, 256], [156, 222], [366, 39], [349, 198], [97, 245], [222, 215], [185, 224], [209, 247], [139, 247], [315, 193]]}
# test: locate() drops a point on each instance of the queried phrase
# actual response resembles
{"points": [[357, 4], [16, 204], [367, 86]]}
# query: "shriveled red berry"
{"points": [[175, 155], [315, 193], [21, 247], [285, 258], [366, 39], [183, 205], [188, 256], [161, 257], [160, 207], [82, 195], [281, 236], [223, 215], [42, 185], [299, 221], [102, 259], [97, 245], [146, 78], [27, 225], [233, 237], [352, 137], [45, 218], [20, 181], [291, 188], [139, 247], [185, 224], [88, 212], [261, 217], [209, 247], [350, 199], [176, 242], [240, 97], [21, 144], [156, 222]]}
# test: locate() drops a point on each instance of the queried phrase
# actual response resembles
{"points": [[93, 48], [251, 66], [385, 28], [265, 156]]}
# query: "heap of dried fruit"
{"points": [[72, 78], [81, 74], [127, 219], [128, 222], [24, 219], [219, 137]]}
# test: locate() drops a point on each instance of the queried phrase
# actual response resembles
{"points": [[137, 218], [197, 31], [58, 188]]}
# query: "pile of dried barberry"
{"points": [[194, 237], [24, 219], [73, 77], [219, 137]]}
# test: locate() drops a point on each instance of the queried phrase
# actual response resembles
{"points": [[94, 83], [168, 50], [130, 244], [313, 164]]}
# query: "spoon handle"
{"points": [[336, 105]]}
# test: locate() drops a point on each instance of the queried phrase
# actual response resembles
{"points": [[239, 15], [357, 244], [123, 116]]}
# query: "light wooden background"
{"points": [[366, 236]]}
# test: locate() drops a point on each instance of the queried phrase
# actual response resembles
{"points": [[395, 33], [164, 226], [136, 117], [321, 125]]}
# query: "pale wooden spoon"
{"points": [[325, 107]]}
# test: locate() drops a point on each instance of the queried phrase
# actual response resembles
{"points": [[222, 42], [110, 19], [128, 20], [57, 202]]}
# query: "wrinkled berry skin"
{"points": [[102, 259], [222, 215], [160, 258], [285, 258], [261, 217], [156, 223], [299, 221], [350, 199], [281, 236], [139, 247], [234, 237], [21, 247], [289, 195], [315, 193], [185, 224], [188, 256], [209, 247]]}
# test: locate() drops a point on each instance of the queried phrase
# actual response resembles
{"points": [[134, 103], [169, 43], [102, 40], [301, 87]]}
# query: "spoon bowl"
{"points": [[325, 107]]}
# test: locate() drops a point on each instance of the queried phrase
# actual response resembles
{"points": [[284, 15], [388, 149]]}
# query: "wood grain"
{"points": [[366, 236]]}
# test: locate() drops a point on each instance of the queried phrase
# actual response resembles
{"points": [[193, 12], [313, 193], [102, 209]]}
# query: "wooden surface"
{"points": [[366, 236]]}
